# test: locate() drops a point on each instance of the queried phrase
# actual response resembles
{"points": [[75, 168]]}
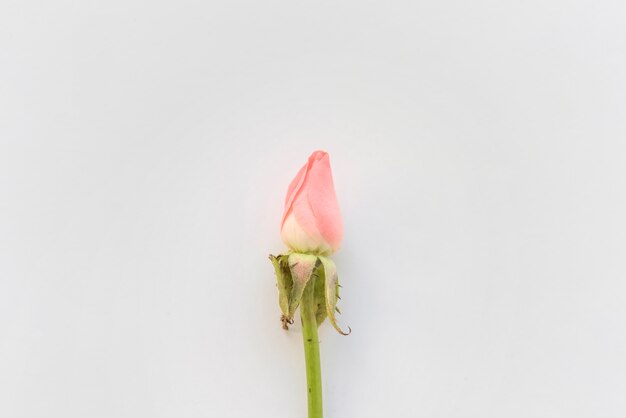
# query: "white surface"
{"points": [[479, 156]]}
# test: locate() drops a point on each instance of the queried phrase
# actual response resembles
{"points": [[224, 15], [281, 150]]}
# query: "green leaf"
{"points": [[331, 286], [320, 294], [284, 282], [301, 267]]}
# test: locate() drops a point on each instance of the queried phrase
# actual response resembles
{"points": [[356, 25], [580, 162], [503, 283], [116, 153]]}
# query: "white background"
{"points": [[479, 156]]}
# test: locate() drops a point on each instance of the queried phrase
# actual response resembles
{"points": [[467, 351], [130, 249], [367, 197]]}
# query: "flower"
{"points": [[306, 277], [311, 221]]}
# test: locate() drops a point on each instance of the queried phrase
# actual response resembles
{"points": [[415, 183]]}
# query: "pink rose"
{"points": [[312, 222]]}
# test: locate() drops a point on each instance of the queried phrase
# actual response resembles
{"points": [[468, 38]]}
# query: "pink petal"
{"points": [[323, 200], [312, 200], [296, 184]]}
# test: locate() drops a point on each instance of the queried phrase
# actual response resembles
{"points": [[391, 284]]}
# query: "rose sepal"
{"points": [[294, 272]]}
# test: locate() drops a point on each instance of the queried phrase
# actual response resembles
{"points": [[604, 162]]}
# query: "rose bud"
{"points": [[311, 221], [306, 277]]}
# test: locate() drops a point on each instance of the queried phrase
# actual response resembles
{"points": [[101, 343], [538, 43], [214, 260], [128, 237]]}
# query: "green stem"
{"points": [[311, 350]]}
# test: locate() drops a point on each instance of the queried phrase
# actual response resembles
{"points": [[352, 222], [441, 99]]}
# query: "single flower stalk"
{"points": [[306, 277]]}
